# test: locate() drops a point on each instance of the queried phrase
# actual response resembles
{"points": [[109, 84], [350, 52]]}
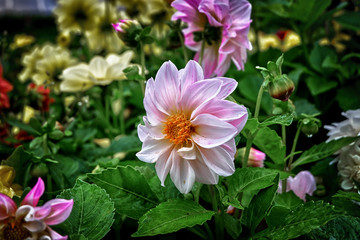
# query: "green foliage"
{"points": [[344, 227], [92, 214], [322, 150], [172, 216], [232, 226], [129, 190], [248, 179], [285, 119], [300, 221], [268, 141], [259, 206]]}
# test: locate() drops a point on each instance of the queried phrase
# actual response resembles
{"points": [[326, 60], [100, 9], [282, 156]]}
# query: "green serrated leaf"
{"points": [[172, 216], [300, 221], [36, 125], [129, 190], [285, 119], [92, 214], [344, 227], [322, 150], [259, 206], [78, 237], [56, 135], [125, 144], [247, 179], [268, 141], [319, 85], [348, 195]]}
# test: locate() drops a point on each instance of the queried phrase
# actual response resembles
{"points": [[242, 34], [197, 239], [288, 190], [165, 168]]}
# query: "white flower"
{"points": [[349, 156], [100, 71]]}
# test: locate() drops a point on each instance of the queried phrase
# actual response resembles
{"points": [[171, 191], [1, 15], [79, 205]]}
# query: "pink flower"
{"points": [[225, 24], [32, 222], [256, 157], [303, 183], [189, 126]]}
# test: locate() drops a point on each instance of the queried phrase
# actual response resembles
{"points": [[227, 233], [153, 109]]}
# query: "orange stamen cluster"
{"points": [[178, 129]]}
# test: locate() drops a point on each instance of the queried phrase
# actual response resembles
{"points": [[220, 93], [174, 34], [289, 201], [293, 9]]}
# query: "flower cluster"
{"points": [[5, 87], [225, 26], [190, 128], [29, 221]]}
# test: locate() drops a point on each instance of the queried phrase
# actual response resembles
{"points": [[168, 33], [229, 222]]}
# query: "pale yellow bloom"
{"points": [[268, 40], [21, 40], [100, 71], [103, 36], [7, 175], [49, 68], [63, 39], [77, 15], [292, 39], [28, 113]]}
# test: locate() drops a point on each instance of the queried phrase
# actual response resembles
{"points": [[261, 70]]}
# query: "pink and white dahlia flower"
{"points": [[225, 24], [303, 183], [189, 126], [29, 221]]}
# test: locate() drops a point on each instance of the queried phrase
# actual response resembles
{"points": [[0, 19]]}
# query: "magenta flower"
{"points": [[225, 24], [29, 221], [189, 126], [303, 183]]}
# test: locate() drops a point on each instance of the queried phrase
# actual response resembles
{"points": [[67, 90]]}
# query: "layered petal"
{"points": [[153, 149], [32, 198], [182, 174], [211, 132], [7, 207], [154, 115], [55, 236], [218, 160], [60, 210], [164, 163], [190, 74]]}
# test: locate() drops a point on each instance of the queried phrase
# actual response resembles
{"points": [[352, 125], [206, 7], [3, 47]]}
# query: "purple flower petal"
{"points": [[60, 210], [32, 198], [7, 207]]}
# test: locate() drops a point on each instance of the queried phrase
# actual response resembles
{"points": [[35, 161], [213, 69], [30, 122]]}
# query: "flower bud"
{"points": [[39, 170], [310, 128], [127, 31], [256, 157], [281, 87]]}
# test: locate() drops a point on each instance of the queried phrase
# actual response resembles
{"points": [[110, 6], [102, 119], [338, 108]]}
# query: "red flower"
{"points": [[5, 87], [46, 99]]}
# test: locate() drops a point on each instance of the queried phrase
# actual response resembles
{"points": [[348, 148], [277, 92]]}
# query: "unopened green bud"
{"points": [[281, 87], [39, 170]]}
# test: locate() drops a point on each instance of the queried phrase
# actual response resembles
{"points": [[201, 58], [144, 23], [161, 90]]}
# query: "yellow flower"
{"points": [[21, 40], [28, 113], [292, 39], [7, 175], [77, 15], [63, 39], [154, 12], [103, 35], [268, 40], [100, 71], [49, 68], [29, 61], [337, 40]]}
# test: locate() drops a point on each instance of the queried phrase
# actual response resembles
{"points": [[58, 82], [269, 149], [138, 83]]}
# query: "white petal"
{"points": [[152, 149], [218, 160], [98, 67], [182, 175]]}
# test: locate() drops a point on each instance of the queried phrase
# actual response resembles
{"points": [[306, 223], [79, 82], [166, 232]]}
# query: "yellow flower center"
{"points": [[178, 129], [15, 231]]}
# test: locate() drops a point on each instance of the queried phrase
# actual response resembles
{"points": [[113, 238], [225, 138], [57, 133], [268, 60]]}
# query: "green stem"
{"points": [[294, 145], [45, 145], [142, 60], [121, 117], [202, 49], [249, 142], [197, 193], [197, 232], [183, 47], [283, 134], [208, 230], [258, 101], [219, 227], [49, 186]]}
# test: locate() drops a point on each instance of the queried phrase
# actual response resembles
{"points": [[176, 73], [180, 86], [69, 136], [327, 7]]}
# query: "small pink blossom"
{"points": [[189, 126], [119, 26], [228, 22], [303, 183], [256, 157], [29, 221]]}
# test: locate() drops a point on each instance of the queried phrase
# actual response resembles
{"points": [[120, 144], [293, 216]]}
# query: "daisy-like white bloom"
{"points": [[189, 126], [225, 24], [100, 71], [348, 156], [303, 183], [29, 221]]}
